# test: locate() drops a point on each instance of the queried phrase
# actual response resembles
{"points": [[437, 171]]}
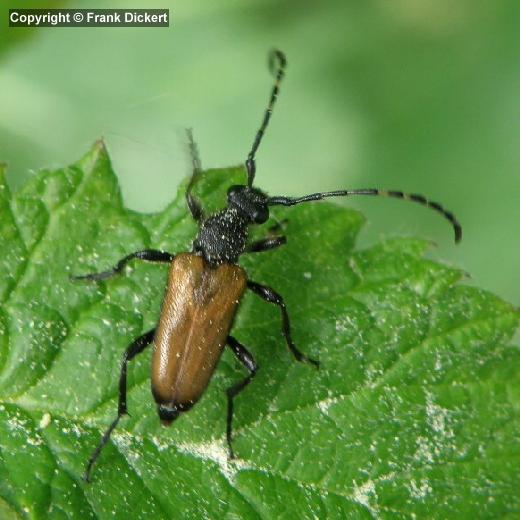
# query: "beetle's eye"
{"points": [[261, 215]]}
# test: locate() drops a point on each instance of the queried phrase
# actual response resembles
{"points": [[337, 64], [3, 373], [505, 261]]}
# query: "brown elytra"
{"points": [[197, 314]]}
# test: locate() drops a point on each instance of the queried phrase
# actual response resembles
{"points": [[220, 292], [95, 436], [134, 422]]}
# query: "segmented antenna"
{"points": [[193, 203], [277, 65], [414, 197]]}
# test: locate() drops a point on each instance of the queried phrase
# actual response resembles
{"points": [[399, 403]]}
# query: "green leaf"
{"points": [[413, 412]]}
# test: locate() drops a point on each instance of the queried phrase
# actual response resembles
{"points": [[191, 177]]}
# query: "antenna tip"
{"points": [[277, 60], [458, 233]]}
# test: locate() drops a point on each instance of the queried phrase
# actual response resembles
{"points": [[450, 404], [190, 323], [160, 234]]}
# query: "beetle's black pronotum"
{"points": [[205, 287]]}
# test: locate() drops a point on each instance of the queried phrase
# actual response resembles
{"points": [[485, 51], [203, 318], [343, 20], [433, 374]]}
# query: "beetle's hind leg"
{"points": [[247, 360], [271, 296], [148, 255], [136, 347]]}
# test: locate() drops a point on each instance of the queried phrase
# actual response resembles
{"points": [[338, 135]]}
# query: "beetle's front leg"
{"points": [[271, 296], [148, 255], [266, 244], [247, 360], [271, 241]]}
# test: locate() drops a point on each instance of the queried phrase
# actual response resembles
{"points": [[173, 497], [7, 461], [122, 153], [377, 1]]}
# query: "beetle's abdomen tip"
{"points": [[167, 414]]}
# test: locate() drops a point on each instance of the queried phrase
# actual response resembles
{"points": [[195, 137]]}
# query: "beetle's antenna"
{"points": [[277, 65], [414, 197], [193, 204], [194, 151]]}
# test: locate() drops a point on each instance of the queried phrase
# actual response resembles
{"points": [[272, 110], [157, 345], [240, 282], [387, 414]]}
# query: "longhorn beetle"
{"points": [[205, 287]]}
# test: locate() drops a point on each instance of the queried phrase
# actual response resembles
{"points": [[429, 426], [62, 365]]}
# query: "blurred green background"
{"points": [[418, 95]]}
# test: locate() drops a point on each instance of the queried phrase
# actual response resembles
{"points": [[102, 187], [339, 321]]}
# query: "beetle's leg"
{"points": [[265, 244], [271, 296], [247, 360], [136, 347], [271, 241], [149, 255], [193, 204]]}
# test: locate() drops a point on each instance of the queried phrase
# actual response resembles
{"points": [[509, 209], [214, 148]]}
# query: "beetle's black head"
{"points": [[251, 202]]}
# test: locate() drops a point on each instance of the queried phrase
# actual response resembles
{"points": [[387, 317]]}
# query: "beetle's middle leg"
{"points": [[136, 347], [271, 296], [247, 360], [149, 255]]}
